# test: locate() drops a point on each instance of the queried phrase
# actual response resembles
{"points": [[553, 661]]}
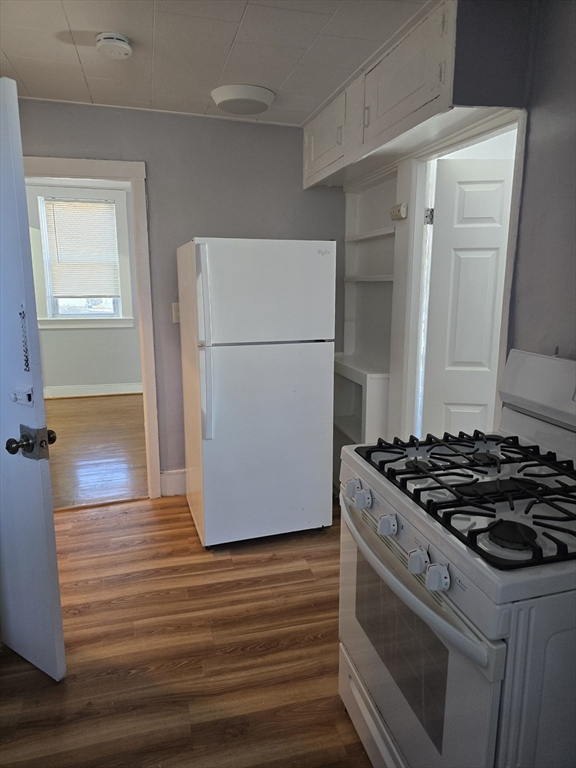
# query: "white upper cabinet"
{"points": [[459, 62], [409, 76], [324, 137]]}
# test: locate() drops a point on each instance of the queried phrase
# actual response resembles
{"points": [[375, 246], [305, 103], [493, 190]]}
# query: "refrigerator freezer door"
{"points": [[252, 291], [268, 467]]}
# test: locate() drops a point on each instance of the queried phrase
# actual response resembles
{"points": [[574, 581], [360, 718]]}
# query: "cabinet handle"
{"points": [[339, 135], [366, 117]]}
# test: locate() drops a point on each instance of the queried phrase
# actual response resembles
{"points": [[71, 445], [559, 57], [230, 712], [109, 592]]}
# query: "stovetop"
{"points": [[512, 504]]}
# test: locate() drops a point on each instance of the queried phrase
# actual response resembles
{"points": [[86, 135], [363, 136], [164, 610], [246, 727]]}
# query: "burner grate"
{"points": [[527, 520], [477, 476]]}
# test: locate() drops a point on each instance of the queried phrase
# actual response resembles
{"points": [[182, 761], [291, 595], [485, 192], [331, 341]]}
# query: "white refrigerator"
{"points": [[257, 330]]}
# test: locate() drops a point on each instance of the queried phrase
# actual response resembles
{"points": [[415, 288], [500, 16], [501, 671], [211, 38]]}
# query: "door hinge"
{"points": [[429, 216]]}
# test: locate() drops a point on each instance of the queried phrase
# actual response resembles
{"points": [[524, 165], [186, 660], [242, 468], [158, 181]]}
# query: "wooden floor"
{"points": [[100, 454], [180, 657]]}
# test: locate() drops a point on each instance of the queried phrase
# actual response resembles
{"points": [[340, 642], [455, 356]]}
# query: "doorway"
{"points": [[84, 267], [469, 194], [451, 298], [92, 286]]}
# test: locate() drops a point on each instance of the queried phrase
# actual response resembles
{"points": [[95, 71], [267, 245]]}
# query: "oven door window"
{"points": [[415, 658], [440, 707]]}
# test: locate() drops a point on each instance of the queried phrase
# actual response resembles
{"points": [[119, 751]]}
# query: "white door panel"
{"points": [[266, 290], [470, 236], [30, 611], [470, 305], [267, 468]]}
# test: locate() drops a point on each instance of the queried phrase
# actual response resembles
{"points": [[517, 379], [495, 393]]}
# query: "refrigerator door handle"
{"points": [[207, 394], [203, 289]]}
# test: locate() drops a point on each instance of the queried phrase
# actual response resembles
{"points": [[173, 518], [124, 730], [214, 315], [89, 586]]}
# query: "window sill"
{"points": [[61, 323]]}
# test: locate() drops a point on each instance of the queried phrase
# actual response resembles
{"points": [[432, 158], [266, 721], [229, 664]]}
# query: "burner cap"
{"points": [[485, 459], [511, 535], [418, 465]]}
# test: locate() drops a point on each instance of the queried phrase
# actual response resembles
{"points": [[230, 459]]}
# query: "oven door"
{"points": [[434, 679]]}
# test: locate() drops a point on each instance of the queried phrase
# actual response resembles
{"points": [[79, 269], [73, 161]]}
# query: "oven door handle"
{"points": [[475, 651]]}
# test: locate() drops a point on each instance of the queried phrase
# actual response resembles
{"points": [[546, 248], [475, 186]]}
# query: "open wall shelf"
{"points": [[357, 368], [376, 233], [368, 278], [361, 371], [360, 398]]}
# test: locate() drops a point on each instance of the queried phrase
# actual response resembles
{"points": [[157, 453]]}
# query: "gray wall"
{"points": [[543, 309], [205, 177]]}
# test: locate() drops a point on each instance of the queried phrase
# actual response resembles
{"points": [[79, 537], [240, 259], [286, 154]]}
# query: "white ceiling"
{"points": [[303, 50]]}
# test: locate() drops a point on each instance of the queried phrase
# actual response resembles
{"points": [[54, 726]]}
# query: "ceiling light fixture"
{"points": [[243, 99], [113, 45]]}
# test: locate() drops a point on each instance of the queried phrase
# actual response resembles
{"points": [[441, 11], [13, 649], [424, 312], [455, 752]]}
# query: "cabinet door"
{"points": [[324, 137], [410, 76]]}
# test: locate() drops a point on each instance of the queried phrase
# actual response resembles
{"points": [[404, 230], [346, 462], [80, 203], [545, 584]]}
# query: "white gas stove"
{"points": [[458, 586]]}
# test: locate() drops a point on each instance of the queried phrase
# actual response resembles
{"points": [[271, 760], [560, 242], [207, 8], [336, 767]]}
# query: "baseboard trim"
{"points": [[173, 482], [88, 390]]}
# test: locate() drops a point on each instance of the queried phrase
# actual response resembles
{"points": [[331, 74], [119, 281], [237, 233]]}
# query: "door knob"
{"points": [[33, 442], [26, 442]]}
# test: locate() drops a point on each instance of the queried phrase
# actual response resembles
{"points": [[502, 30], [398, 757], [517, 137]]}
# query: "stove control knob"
{"points": [[352, 487], [418, 560], [363, 499], [388, 525], [437, 577]]}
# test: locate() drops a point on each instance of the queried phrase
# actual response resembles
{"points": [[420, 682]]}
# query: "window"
{"points": [[81, 253], [80, 246]]}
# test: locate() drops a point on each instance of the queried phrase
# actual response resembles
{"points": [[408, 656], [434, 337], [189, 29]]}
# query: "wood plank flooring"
{"points": [[181, 657], [100, 454]]}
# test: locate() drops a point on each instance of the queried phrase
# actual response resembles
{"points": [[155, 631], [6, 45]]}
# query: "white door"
{"points": [[265, 290], [30, 611], [470, 235]]}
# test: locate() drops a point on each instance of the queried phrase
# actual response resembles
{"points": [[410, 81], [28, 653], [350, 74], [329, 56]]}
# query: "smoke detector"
{"points": [[243, 99], [113, 45]]}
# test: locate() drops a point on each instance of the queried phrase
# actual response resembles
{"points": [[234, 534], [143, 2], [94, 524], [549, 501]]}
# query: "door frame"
{"points": [[135, 174], [410, 247]]}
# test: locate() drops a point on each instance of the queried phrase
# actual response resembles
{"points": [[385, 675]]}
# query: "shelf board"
{"points": [[358, 369], [369, 278], [350, 426], [371, 235]]}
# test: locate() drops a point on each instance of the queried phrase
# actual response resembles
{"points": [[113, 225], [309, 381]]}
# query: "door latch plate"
{"points": [[22, 396], [39, 441]]}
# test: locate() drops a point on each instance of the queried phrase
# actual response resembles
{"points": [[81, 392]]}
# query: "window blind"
{"points": [[82, 248]]}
